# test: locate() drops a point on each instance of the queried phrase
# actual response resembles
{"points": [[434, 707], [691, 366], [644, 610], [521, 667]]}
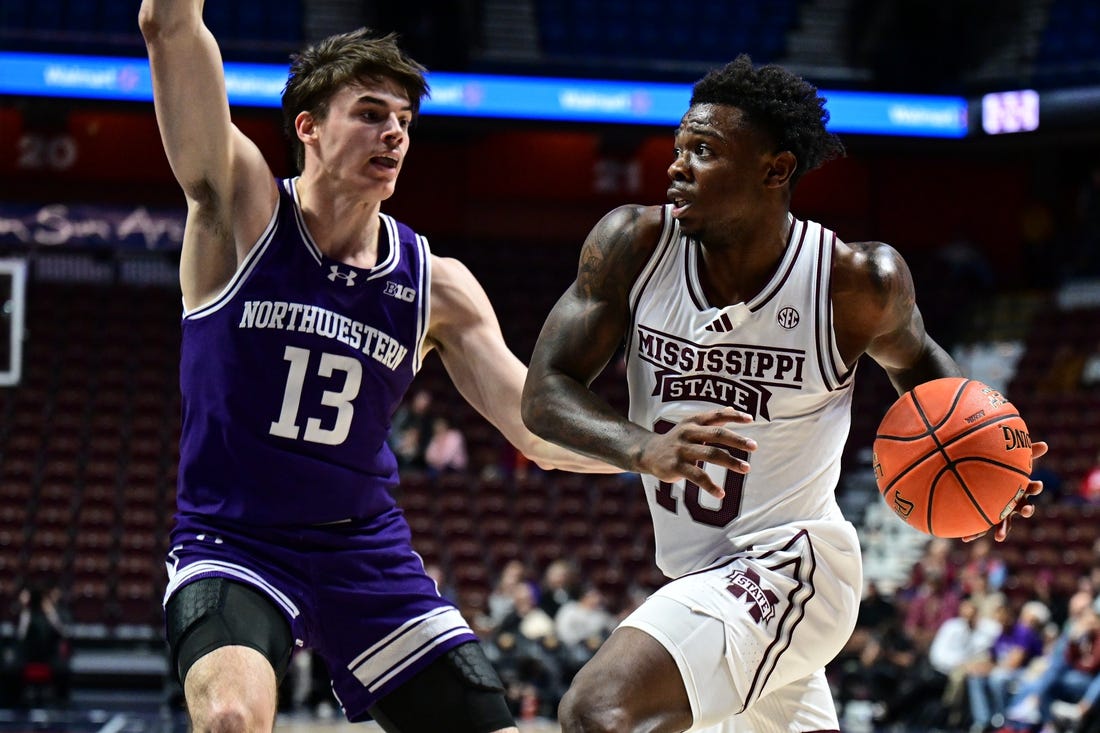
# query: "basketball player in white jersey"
{"points": [[742, 327]]}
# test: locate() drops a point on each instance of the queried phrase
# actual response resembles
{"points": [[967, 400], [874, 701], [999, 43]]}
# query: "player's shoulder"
{"points": [[633, 219], [629, 231], [449, 272], [868, 267]]}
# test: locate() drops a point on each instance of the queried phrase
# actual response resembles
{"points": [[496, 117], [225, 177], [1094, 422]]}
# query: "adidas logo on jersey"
{"points": [[348, 277], [721, 324]]}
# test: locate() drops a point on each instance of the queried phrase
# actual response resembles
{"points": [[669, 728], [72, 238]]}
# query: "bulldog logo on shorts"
{"points": [[746, 586]]}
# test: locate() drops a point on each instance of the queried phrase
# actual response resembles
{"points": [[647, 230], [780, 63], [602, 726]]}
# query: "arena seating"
{"points": [[250, 30], [88, 453]]}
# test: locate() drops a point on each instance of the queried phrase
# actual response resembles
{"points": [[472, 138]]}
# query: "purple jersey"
{"points": [[291, 375]]}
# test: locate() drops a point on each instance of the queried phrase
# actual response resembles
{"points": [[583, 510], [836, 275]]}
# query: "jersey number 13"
{"points": [[330, 367]]}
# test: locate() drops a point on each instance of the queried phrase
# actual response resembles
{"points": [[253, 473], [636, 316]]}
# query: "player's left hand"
{"points": [[1023, 507]]}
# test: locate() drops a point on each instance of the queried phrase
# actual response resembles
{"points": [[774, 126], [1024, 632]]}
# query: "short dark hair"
{"points": [[325, 67], [777, 102]]}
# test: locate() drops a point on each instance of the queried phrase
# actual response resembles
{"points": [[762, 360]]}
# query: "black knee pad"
{"points": [[473, 667], [214, 612], [460, 691]]}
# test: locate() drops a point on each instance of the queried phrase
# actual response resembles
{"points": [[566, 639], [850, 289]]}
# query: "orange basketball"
{"points": [[952, 457]]}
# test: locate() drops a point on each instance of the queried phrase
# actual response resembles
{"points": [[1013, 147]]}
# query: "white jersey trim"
{"points": [[393, 257], [424, 313], [669, 231], [178, 578], [835, 372], [380, 269], [311, 246], [405, 645]]}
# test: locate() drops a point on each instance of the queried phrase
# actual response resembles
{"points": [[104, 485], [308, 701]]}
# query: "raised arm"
{"points": [[581, 334], [229, 187], [465, 331]]}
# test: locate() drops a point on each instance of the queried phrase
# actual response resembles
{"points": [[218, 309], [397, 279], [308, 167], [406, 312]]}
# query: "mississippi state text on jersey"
{"points": [[774, 357]]}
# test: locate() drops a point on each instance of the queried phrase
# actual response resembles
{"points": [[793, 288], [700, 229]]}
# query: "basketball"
{"points": [[952, 457]]}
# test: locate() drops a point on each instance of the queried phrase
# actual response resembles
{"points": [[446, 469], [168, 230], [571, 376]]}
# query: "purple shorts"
{"points": [[354, 592]]}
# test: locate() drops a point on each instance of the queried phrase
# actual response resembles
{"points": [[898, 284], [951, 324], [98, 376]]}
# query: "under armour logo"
{"points": [[721, 324], [762, 602], [348, 277]]}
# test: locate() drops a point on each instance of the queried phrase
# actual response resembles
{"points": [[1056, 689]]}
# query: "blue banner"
{"points": [[482, 95]]}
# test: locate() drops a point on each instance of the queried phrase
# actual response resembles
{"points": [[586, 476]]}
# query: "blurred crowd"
{"points": [[950, 650]]}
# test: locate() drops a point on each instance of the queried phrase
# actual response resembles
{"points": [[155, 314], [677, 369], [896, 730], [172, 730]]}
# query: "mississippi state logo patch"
{"points": [[761, 601]]}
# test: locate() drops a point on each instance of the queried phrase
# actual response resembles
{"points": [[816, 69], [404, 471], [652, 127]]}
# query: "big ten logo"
{"points": [[401, 292], [1015, 438], [38, 151], [617, 175]]}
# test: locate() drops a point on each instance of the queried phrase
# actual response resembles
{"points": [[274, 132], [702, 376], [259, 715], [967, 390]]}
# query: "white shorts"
{"points": [[752, 633]]}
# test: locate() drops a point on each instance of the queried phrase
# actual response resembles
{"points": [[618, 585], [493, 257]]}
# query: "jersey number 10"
{"points": [[734, 485]]}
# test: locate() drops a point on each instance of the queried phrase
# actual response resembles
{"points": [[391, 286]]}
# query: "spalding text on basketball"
{"points": [[1015, 438]]}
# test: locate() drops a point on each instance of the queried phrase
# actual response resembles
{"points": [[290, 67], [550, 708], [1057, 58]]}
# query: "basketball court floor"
{"points": [[135, 719]]}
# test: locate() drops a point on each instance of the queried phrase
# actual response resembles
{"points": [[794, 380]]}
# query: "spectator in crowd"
{"points": [[585, 618], [531, 671], [976, 585], [1071, 672], [42, 645], [939, 675], [934, 602], [501, 598], [558, 586], [879, 667], [526, 618], [991, 680], [1046, 590], [936, 559], [410, 430], [982, 562], [877, 614], [446, 449]]}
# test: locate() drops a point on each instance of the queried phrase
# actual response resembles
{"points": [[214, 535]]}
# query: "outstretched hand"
{"points": [[1023, 508], [680, 451]]}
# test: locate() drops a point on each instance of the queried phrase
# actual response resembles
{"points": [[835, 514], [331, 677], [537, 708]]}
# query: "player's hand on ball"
{"points": [[680, 451], [1023, 508]]}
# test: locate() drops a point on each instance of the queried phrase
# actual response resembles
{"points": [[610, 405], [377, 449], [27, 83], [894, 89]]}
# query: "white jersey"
{"points": [[774, 357]]}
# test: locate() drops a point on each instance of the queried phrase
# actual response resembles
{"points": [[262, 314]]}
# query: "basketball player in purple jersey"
{"points": [[743, 326], [307, 313]]}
